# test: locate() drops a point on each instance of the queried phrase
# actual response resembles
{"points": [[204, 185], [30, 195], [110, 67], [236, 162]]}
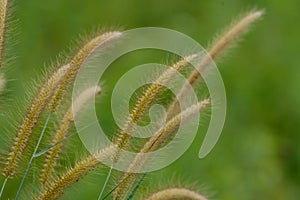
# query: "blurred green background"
{"points": [[258, 154]]}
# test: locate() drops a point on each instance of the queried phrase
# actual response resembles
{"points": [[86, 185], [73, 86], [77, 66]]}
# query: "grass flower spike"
{"points": [[77, 61], [225, 41], [216, 50], [55, 188], [147, 97]]}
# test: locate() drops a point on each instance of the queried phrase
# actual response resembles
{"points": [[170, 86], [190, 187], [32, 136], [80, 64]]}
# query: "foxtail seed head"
{"points": [[147, 97], [56, 187], [222, 43], [77, 61], [225, 41]]}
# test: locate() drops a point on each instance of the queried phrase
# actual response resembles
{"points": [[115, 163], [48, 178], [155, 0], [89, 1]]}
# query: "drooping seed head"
{"points": [[215, 51], [56, 187], [77, 61], [147, 97]]}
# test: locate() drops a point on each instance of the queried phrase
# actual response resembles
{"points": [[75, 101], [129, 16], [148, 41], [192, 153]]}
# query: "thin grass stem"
{"points": [[138, 185], [111, 191], [106, 182], [42, 152], [33, 156]]}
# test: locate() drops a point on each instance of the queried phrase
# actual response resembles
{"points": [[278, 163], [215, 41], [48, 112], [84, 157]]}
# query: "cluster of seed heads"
{"points": [[50, 94]]}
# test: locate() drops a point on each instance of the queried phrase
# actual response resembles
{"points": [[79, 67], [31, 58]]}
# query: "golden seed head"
{"points": [[56, 187], [217, 49], [77, 61], [147, 97], [176, 193]]}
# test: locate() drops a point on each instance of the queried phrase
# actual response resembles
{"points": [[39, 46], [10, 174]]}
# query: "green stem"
{"points": [[33, 156], [42, 152], [106, 182], [111, 191], [131, 195], [3, 186]]}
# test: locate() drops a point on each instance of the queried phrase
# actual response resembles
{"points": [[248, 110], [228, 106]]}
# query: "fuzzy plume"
{"points": [[77, 61], [147, 98], [215, 51], [55, 188]]}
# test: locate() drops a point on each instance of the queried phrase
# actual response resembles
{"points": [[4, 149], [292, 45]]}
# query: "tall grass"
{"points": [[53, 93]]}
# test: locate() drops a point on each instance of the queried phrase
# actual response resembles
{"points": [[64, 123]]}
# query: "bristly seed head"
{"points": [[147, 97], [56, 187], [217, 49], [77, 61]]}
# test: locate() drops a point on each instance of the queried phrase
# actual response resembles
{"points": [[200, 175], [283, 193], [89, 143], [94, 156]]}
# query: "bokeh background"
{"points": [[258, 154]]}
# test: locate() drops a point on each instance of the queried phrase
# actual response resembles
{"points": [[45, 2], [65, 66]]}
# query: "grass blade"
{"points": [[33, 156], [105, 184]]}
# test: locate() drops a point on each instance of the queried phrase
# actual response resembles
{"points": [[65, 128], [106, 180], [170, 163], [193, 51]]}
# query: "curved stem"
{"points": [[33, 156]]}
